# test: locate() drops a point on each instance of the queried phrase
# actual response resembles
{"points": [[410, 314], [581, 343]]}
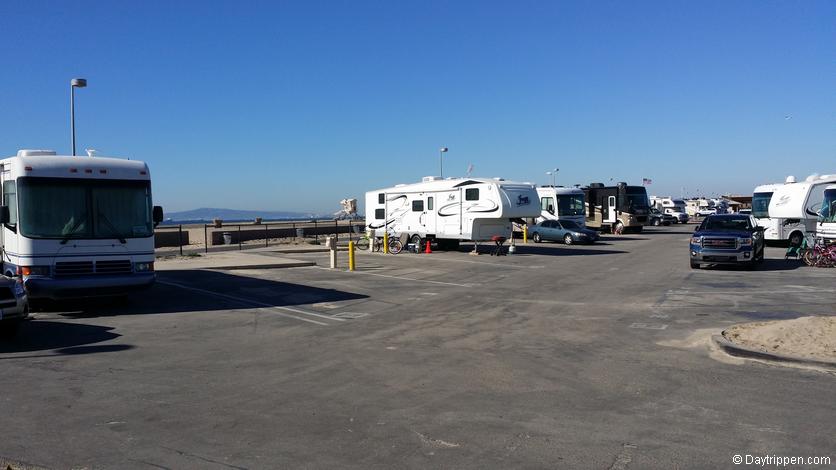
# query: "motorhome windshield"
{"points": [[70, 208], [760, 205], [570, 204], [828, 206], [636, 198]]}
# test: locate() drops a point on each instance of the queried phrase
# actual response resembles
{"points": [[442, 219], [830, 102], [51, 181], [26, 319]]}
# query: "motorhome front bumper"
{"points": [[87, 286]]}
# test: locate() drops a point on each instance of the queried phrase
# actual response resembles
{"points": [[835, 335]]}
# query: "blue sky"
{"points": [[296, 105]]}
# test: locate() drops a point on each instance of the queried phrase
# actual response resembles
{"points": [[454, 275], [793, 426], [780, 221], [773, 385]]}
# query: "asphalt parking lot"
{"points": [[555, 357]]}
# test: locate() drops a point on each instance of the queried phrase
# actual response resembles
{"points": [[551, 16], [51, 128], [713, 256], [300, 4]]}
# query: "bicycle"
{"points": [[395, 243], [363, 242], [820, 255]]}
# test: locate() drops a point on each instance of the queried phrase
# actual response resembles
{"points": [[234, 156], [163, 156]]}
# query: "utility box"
{"points": [[331, 243]]}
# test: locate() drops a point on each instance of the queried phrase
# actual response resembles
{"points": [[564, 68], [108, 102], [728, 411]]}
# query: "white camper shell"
{"points": [[826, 225], [77, 226], [452, 209], [672, 206], [794, 208], [559, 203]]}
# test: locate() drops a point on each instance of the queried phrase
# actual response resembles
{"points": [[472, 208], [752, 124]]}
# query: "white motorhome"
{"points": [[761, 197], [77, 226], [826, 225], [794, 208], [672, 206], [450, 210], [559, 203]]}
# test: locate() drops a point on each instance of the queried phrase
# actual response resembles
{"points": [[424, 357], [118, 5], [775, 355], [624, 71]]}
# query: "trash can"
{"points": [[300, 233], [227, 238]]}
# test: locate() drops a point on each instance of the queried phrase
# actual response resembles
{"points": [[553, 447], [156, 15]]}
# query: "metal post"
{"points": [[205, 237], [266, 236], [351, 256], [525, 233], [72, 114], [180, 238], [336, 230], [239, 237], [293, 229], [316, 233]]}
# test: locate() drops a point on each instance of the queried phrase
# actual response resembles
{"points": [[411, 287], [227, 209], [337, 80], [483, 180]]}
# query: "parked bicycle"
{"points": [[395, 243], [820, 255]]}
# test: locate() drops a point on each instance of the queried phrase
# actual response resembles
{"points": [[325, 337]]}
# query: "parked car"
{"points": [[658, 218], [566, 230], [727, 239], [706, 212], [678, 217], [745, 211], [14, 305]]}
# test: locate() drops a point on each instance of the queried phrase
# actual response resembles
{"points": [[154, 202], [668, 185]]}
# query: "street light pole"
{"points": [[552, 173], [441, 152], [74, 83]]}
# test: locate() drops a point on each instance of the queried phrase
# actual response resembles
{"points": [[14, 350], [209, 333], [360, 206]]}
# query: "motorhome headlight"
{"points": [[34, 270], [144, 266], [745, 242], [696, 240]]}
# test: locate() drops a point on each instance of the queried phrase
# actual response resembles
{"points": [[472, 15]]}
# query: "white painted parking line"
{"points": [[257, 304], [406, 278]]}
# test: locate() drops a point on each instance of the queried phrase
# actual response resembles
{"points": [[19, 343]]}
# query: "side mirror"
{"points": [[551, 209], [697, 228], [157, 215], [4, 215]]}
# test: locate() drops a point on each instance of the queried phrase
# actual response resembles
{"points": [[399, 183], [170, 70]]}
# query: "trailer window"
{"points": [[547, 204], [418, 206], [10, 200], [381, 198], [380, 214], [429, 203], [471, 194]]}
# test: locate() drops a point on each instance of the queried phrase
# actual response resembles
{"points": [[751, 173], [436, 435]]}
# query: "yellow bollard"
{"points": [[386, 242], [351, 256], [525, 233]]}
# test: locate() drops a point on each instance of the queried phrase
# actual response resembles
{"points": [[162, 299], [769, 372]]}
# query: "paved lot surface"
{"points": [[556, 357]]}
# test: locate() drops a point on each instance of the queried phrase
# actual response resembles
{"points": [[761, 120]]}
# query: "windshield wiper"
{"points": [[73, 229], [113, 229]]}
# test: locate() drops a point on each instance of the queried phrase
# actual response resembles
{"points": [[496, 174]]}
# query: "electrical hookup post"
{"points": [[331, 244]]}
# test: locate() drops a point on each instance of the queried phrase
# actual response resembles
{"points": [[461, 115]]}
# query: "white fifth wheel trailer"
{"points": [[77, 226], [794, 208], [450, 210], [559, 203], [826, 225]]}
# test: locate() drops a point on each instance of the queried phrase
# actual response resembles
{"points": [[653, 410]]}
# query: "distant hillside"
{"points": [[207, 214]]}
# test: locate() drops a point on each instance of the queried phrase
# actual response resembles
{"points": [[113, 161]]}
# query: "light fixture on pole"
{"points": [[441, 152], [74, 83], [553, 174]]}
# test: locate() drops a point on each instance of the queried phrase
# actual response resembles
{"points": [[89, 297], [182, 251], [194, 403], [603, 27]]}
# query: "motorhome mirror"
{"points": [[4, 215], [158, 215], [551, 209]]}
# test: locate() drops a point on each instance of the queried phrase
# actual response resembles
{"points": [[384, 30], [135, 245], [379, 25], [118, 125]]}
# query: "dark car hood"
{"points": [[723, 233]]}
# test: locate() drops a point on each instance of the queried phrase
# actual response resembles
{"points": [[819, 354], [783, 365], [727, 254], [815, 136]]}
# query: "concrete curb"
{"points": [[744, 351]]}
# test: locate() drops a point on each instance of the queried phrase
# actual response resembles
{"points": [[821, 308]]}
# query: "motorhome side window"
{"points": [[471, 194], [547, 204], [10, 200], [417, 206], [381, 198], [380, 214]]}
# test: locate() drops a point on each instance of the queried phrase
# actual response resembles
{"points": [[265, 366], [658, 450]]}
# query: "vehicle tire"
{"points": [[536, 237], [417, 242], [618, 228], [395, 246], [568, 239], [657, 222], [8, 328], [796, 238], [695, 265]]}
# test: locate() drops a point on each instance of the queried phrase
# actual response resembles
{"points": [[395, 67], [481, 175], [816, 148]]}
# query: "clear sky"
{"points": [[281, 105]]}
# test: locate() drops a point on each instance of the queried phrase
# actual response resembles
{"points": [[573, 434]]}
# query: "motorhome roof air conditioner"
{"points": [[34, 153]]}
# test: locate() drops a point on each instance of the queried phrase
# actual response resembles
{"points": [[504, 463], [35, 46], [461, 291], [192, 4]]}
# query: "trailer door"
{"points": [[429, 216], [611, 211]]}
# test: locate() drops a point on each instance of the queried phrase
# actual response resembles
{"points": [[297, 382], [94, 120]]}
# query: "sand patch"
{"points": [[806, 337]]}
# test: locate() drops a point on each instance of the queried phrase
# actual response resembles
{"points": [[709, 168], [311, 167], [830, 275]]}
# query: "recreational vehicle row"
{"points": [[793, 208]]}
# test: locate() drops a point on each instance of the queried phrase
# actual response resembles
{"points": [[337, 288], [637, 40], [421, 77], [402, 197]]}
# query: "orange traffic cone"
{"points": [[428, 250]]}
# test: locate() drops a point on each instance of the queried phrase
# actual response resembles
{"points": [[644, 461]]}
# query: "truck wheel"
{"points": [[796, 238], [695, 265], [536, 237], [656, 222], [618, 228], [416, 241], [568, 239]]}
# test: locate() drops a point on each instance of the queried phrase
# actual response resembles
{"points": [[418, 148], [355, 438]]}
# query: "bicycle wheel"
{"points": [[809, 257], [377, 244], [395, 246], [362, 244]]}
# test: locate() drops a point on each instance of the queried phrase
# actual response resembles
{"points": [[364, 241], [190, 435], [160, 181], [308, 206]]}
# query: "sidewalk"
{"points": [[251, 259]]}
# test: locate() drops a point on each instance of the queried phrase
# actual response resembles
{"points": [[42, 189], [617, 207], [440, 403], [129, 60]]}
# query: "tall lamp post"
{"points": [[74, 83], [553, 174], [441, 152]]}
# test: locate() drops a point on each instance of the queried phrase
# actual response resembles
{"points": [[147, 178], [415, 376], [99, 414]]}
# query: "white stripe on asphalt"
{"points": [[257, 304]]}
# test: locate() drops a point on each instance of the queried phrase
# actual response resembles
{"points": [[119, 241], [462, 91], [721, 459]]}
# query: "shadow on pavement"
{"points": [[197, 290], [767, 265], [554, 249], [66, 338]]}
